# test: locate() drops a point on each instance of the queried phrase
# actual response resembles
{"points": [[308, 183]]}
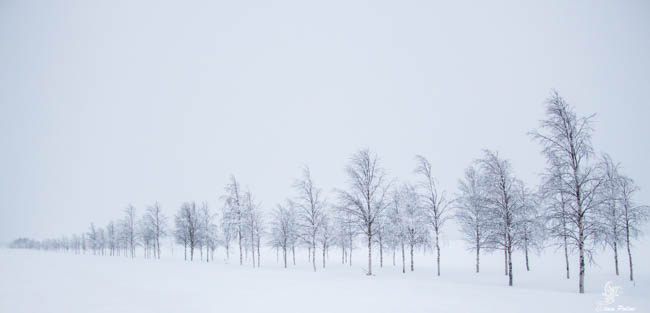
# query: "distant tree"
{"points": [[181, 231], [235, 212], [144, 231], [190, 218], [409, 220], [228, 229], [311, 208], [208, 230], [129, 228], [556, 217], [347, 232], [325, 236], [158, 225], [111, 235], [634, 215], [283, 227], [472, 213], [531, 225], [92, 237], [610, 209]]}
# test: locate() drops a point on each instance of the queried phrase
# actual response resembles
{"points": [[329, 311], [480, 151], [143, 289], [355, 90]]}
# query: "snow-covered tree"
{"points": [[531, 226], [234, 212], [566, 143], [208, 230], [158, 225], [365, 199], [283, 228], [189, 220], [610, 208], [310, 206], [181, 235], [634, 215], [503, 207], [325, 236], [409, 221], [434, 202], [128, 227], [472, 213]]}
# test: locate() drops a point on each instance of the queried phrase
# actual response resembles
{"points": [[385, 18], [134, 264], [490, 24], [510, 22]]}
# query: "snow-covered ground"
{"points": [[35, 281]]}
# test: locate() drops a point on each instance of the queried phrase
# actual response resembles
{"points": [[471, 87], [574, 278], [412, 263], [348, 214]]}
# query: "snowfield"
{"points": [[38, 281]]}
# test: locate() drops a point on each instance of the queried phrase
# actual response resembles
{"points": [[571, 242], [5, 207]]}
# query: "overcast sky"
{"points": [[106, 103]]}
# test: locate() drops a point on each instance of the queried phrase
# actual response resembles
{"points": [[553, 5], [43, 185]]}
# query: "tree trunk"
{"points": [[412, 265], [629, 252], [616, 258], [241, 254], [478, 249], [253, 247], [284, 255], [505, 258], [526, 254], [566, 257], [185, 245], [403, 260], [369, 251], [581, 284], [438, 252], [509, 263], [293, 253], [313, 251], [324, 251], [259, 255], [381, 253]]}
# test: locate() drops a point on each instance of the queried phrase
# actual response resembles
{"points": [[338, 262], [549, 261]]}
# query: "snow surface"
{"points": [[38, 281]]}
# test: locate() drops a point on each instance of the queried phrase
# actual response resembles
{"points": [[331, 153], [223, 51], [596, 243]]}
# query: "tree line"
{"points": [[583, 203]]}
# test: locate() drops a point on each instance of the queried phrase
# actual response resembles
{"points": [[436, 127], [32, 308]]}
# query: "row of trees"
{"points": [[581, 204]]}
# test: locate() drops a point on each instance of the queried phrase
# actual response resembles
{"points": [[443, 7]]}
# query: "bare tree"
{"points": [[634, 216], [208, 229], [472, 211], [365, 200], [504, 211], [92, 237], [435, 204], [235, 212], [128, 226], [566, 143], [325, 236], [181, 231], [409, 219], [111, 237], [311, 208], [228, 229], [612, 214], [556, 216], [531, 226], [283, 228], [347, 232], [190, 220], [158, 225], [145, 234]]}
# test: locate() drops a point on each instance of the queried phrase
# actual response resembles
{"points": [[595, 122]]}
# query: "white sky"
{"points": [[106, 103]]}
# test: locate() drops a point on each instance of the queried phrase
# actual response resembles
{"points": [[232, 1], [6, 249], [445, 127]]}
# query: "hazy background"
{"points": [[106, 103]]}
